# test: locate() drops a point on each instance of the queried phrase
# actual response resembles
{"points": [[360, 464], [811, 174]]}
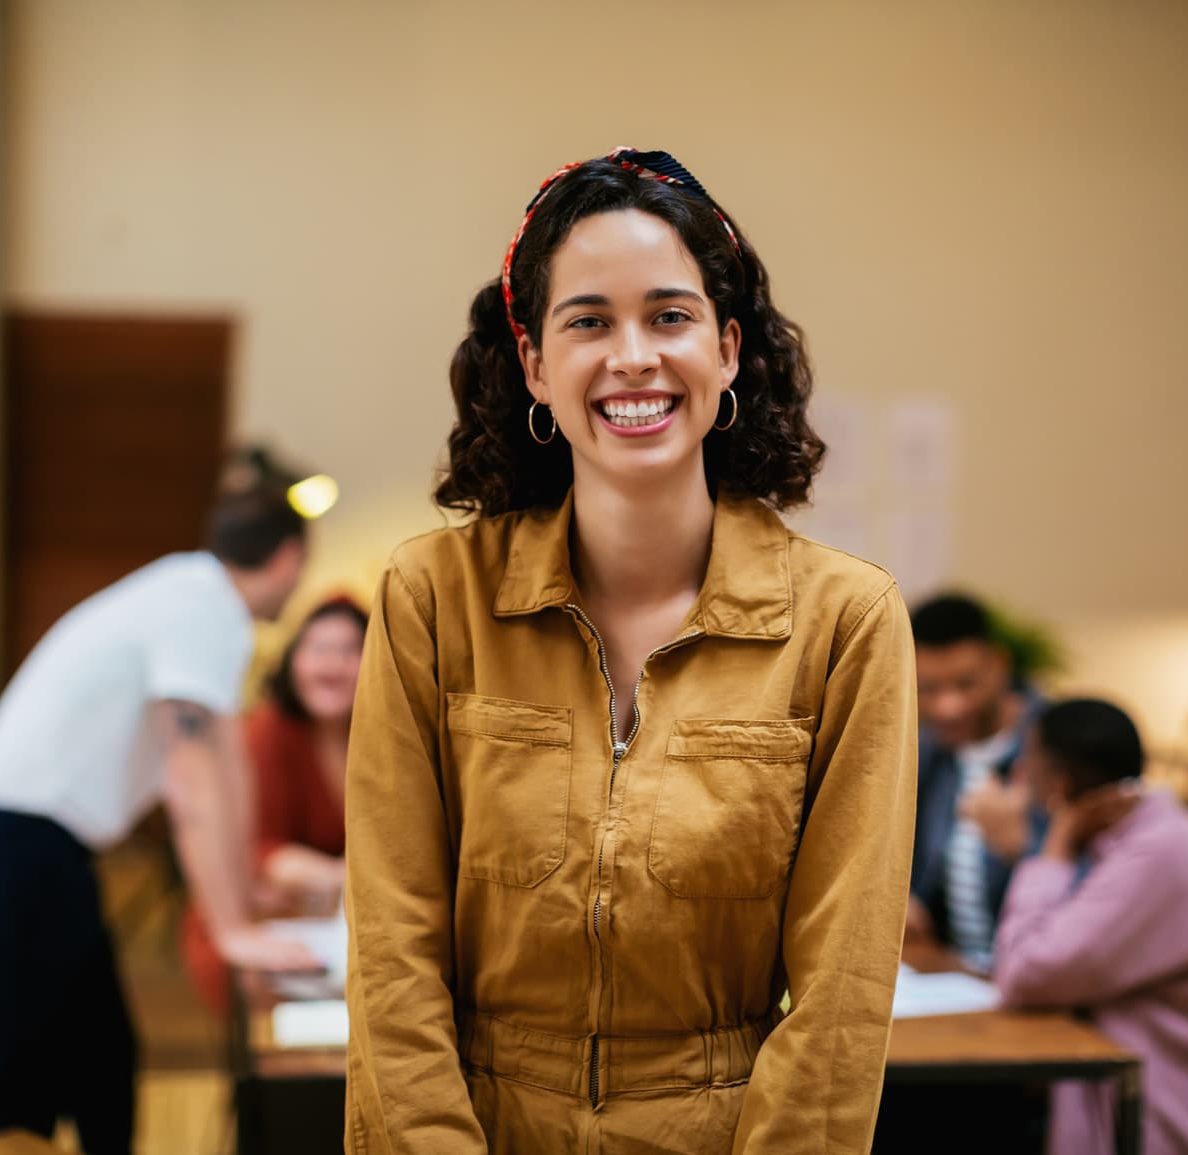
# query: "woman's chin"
{"points": [[656, 462], [326, 714]]}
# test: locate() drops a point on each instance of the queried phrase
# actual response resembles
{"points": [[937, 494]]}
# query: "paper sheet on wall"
{"points": [[886, 490], [840, 526], [918, 550], [844, 423], [922, 450]]}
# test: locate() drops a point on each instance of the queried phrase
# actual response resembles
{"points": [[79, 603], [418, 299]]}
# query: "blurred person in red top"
{"points": [[297, 743]]}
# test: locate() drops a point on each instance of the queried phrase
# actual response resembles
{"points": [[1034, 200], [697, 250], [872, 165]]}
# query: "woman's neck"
{"points": [[329, 732], [642, 547]]}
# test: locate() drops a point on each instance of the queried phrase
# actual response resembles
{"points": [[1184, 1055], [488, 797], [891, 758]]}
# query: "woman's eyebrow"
{"points": [[670, 294], [664, 294], [581, 299]]}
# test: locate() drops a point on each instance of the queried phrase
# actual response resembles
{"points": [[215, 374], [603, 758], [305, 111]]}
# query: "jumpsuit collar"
{"points": [[747, 592]]}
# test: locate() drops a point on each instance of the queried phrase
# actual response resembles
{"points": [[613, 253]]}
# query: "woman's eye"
{"points": [[585, 323], [673, 317]]}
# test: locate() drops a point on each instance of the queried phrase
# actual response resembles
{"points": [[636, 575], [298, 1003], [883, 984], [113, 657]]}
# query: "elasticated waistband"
{"points": [[625, 1063]]}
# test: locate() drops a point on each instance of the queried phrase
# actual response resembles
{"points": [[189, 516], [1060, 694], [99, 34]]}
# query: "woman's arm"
{"points": [[305, 880], [817, 1078], [405, 1089]]}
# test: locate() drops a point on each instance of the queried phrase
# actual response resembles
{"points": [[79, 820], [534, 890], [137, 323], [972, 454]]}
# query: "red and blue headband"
{"points": [[656, 165]]}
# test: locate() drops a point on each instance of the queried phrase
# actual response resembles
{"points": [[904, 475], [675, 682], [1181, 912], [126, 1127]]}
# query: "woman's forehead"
{"points": [[627, 249], [331, 626]]}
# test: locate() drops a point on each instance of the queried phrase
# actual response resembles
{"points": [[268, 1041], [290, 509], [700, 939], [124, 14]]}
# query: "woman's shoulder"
{"points": [[816, 561], [827, 590], [433, 565], [848, 585], [482, 540], [815, 567]]}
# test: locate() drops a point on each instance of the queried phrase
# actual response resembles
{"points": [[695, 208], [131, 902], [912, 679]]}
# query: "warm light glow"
{"points": [[313, 496]]}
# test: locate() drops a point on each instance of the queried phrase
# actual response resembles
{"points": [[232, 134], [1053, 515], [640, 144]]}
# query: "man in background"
{"points": [[130, 699], [973, 821]]}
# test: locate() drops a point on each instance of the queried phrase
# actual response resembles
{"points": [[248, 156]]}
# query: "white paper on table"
{"points": [[321, 1023], [918, 995], [326, 939]]}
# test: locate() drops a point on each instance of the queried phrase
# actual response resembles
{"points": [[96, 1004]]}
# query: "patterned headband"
{"points": [[661, 166]]}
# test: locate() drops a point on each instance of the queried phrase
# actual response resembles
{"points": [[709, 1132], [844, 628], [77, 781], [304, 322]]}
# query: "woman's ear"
{"points": [[729, 344], [533, 366]]}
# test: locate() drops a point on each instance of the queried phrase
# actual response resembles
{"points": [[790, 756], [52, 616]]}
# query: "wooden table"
{"points": [[1010, 1047], [288, 1101], [292, 1100]]}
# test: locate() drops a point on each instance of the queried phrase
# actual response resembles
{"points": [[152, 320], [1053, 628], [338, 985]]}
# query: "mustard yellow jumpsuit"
{"points": [[569, 939]]}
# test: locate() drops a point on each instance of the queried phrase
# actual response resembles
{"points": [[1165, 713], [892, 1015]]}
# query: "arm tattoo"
{"points": [[192, 721]]}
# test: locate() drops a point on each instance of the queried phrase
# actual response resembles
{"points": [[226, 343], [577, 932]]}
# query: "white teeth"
{"points": [[630, 414]]}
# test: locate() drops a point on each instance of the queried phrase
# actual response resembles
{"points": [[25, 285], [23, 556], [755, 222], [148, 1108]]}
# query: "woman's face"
{"points": [[631, 359], [326, 667]]}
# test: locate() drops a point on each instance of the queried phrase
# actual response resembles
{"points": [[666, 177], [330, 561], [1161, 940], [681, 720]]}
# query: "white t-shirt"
{"points": [[74, 746]]}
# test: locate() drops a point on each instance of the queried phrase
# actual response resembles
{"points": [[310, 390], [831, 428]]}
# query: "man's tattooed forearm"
{"points": [[192, 721]]}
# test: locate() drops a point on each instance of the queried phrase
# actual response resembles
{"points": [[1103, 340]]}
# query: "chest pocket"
{"points": [[727, 816], [513, 762]]}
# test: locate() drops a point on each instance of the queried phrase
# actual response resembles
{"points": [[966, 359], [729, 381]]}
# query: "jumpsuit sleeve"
{"points": [[406, 1092], [818, 1076]]}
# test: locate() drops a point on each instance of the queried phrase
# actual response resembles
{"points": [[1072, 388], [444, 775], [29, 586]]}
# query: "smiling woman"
{"points": [[641, 357], [629, 760], [702, 281]]}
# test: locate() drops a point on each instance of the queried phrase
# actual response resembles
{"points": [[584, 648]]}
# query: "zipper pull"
{"points": [[620, 748]]}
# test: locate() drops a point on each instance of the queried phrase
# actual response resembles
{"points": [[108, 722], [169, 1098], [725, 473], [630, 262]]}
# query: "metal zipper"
{"points": [[618, 749], [639, 681]]}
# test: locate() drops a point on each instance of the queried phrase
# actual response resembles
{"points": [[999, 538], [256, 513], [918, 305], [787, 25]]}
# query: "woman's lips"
{"points": [[639, 415]]}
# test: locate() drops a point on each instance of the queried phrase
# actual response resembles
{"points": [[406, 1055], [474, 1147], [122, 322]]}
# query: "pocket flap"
{"points": [[505, 718], [783, 740]]}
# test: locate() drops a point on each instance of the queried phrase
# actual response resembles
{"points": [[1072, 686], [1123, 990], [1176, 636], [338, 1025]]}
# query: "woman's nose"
{"points": [[633, 353]]}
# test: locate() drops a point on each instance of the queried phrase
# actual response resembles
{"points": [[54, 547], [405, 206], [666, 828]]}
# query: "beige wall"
{"points": [[978, 201]]}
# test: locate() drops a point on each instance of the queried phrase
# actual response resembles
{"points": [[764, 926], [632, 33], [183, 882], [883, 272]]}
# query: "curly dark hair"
{"points": [[770, 452]]}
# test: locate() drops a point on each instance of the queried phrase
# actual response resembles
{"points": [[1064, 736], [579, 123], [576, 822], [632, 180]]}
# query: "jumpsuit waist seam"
{"points": [[627, 1063]]}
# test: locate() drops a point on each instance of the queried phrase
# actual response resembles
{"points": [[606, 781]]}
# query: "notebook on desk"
{"points": [[315, 1023], [951, 993]]}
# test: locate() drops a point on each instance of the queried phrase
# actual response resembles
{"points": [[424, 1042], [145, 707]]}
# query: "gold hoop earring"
{"points": [[532, 427], [733, 413]]}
